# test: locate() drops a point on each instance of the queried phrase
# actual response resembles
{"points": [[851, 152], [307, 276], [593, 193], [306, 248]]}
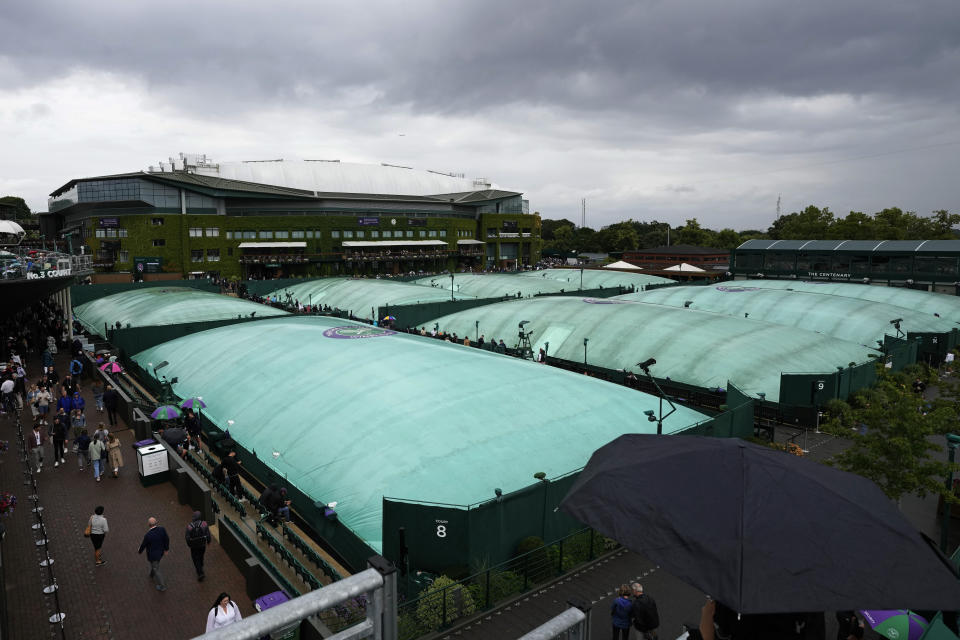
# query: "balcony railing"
{"points": [[23, 263], [394, 256]]}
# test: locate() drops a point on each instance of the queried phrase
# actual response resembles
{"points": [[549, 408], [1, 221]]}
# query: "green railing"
{"points": [[445, 602]]}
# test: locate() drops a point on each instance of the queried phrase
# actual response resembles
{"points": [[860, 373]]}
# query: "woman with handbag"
{"points": [[96, 530]]}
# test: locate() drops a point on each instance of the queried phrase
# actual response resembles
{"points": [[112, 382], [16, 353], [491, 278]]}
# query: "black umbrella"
{"points": [[760, 530], [174, 435]]}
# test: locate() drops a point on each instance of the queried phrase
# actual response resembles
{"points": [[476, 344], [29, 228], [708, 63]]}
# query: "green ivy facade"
{"points": [[184, 223]]}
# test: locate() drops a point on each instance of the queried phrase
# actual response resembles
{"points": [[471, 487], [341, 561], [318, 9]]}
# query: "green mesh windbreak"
{"points": [[349, 413], [946, 306], [693, 347], [361, 296], [165, 305], [861, 321], [496, 285], [596, 278]]}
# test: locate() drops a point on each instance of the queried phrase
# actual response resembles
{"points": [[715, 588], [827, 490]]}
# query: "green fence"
{"points": [[445, 603], [735, 422], [900, 352], [80, 294], [136, 339], [816, 389], [423, 314]]}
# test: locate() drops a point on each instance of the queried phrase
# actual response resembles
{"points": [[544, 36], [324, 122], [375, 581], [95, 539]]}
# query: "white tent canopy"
{"points": [[621, 265], [683, 266]]}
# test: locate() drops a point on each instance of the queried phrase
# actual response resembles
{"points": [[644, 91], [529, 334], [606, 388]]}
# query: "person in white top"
{"points": [[224, 612]]}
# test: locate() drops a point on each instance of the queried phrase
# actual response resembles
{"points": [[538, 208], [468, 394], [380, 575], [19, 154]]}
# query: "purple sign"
{"points": [[109, 222], [368, 222], [354, 332]]}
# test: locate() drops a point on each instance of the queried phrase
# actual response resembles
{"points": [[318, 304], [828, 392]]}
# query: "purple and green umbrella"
{"points": [[896, 624], [195, 402], [166, 412], [111, 367]]}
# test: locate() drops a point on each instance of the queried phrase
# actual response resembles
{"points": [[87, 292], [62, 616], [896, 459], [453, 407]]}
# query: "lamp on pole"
{"points": [[953, 441], [660, 417], [585, 341], [451, 286], [477, 325]]}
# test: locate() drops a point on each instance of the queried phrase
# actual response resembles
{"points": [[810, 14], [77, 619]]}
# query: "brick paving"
{"points": [[117, 600]]}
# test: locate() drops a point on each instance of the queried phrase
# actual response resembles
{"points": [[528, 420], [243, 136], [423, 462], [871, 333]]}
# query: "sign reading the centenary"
{"points": [[828, 275]]}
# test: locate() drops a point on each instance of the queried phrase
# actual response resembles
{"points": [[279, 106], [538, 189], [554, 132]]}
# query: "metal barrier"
{"points": [[378, 582], [572, 624]]}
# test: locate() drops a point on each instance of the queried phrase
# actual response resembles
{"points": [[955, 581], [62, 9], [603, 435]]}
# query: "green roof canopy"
{"points": [[693, 347], [946, 306], [596, 278], [360, 295], [860, 321], [370, 412], [166, 305]]}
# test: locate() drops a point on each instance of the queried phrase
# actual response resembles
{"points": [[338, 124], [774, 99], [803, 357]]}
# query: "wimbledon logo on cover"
{"points": [[354, 332]]}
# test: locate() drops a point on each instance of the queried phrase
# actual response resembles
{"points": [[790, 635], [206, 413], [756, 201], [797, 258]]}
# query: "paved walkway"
{"points": [[117, 600]]}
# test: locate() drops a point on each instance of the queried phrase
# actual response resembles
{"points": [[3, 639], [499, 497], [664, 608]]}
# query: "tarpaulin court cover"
{"points": [[350, 413], [163, 306]]}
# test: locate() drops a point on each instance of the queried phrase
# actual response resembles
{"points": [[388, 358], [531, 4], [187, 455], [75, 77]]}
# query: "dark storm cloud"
{"points": [[687, 63]]}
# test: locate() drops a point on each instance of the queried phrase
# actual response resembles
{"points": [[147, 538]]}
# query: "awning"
{"points": [[273, 245], [471, 242], [355, 244], [683, 266], [621, 265]]}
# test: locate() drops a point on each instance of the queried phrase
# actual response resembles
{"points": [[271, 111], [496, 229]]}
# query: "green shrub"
{"points": [[430, 609]]}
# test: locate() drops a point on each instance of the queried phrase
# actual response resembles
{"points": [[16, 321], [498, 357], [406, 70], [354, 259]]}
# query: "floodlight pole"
{"points": [[581, 276], [451, 286], [585, 341], [662, 395], [477, 324]]}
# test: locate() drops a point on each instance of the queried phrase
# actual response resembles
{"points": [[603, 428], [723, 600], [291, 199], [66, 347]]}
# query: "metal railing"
{"points": [[438, 607], [24, 263], [572, 624], [378, 583]]}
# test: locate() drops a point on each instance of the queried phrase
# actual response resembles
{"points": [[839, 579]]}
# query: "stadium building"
{"points": [[292, 218]]}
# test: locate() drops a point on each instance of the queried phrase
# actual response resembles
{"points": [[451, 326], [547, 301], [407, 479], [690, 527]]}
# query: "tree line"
{"points": [[813, 223]]}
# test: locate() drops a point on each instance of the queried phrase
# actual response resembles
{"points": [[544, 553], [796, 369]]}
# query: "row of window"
{"points": [[849, 263], [213, 255], [348, 234], [110, 232], [198, 232]]}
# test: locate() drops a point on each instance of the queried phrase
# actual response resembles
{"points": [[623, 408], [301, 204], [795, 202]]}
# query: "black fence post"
{"points": [[590, 555], [486, 598], [443, 618], [560, 565]]}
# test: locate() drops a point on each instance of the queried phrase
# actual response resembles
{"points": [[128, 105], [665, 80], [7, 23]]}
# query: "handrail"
{"points": [[286, 584]]}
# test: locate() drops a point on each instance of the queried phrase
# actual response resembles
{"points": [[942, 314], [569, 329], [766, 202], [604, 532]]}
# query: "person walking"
{"points": [[101, 433], [156, 542], [224, 612], [110, 401], [82, 443], [97, 454], [114, 455], [644, 613], [232, 467], [78, 422], [198, 537], [43, 403], [620, 613], [35, 442], [98, 391], [58, 432], [32, 401], [98, 531]]}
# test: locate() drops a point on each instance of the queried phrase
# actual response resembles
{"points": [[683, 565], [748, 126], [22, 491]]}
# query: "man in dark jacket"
{"points": [[58, 431], [156, 542], [198, 537], [232, 467], [644, 613], [110, 400]]}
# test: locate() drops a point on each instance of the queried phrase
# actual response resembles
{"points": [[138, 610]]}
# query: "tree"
{"points": [[549, 227], [14, 208], [442, 602], [893, 435], [692, 233], [728, 239]]}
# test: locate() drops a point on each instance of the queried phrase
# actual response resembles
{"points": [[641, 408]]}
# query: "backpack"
{"points": [[197, 536], [645, 615]]}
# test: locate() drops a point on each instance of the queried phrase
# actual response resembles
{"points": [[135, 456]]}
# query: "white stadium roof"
{"points": [[343, 177]]}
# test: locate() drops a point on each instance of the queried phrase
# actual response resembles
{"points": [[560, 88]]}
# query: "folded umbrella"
{"points": [[760, 530]]}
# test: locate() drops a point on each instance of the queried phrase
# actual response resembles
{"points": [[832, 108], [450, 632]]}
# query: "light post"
{"points": [[581, 277], [585, 341], [953, 441], [660, 417], [451, 286], [477, 325]]}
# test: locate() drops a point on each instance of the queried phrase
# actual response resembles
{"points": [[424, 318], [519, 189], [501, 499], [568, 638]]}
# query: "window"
{"points": [[213, 255], [157, 222], [374, 234], [409, 234], [111, 233], [433, 234], [196, 232], [100, 233], [317, 234], [213, 232], [159, 242], [423, 234], [249, 235], [229, 235], [123, 256], [266, 235], [387, 233], [309, 234], [281, 235], [122, 233], [334, 234], [298, 235], [359, 234], [443, 233], [348, 234], [196, 255]]}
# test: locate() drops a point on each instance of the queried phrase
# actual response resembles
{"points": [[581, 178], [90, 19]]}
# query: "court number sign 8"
{"points": [[441, 531]]}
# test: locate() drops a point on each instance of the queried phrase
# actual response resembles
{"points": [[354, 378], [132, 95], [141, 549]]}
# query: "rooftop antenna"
{"points": [[583, 212], [778, 205]]}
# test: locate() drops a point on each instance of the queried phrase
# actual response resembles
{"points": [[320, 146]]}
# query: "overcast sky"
{"points": [[666, 109]]}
